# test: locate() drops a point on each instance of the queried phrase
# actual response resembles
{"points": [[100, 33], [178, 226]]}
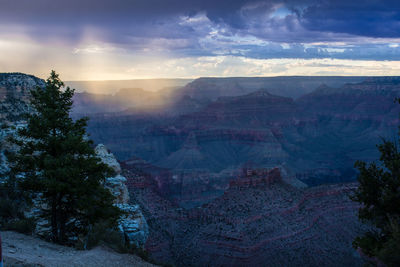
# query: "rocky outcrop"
{"points": [[14, 102], [116, 184], [107, 158], [133, 224], [118, 188], [15, 95]]}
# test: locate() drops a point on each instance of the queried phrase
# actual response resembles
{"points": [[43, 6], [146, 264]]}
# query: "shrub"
{"points": [[103, 233], [12, 205], [24, 225]]}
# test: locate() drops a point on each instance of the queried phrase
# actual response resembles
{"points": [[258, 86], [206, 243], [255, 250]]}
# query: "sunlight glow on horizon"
{"points": [[92, 60], [120, 39]]}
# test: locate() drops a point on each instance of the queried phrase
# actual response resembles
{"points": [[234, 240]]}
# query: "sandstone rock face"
{"points": [[108, 158], [118, 188], [133, 225]]}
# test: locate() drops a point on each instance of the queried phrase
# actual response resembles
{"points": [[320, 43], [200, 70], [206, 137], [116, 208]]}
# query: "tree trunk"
{"points": [[54, 228], [60, 219], [62, 226]]}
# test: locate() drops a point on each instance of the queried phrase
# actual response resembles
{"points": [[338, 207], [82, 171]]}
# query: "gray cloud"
{"points": [[255, 29]]}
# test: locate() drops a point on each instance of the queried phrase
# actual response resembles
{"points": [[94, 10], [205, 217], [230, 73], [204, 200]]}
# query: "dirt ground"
{"points": [[22, 250]]}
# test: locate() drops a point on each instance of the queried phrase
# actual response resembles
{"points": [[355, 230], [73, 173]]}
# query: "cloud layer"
{"points": [[121, 30]]}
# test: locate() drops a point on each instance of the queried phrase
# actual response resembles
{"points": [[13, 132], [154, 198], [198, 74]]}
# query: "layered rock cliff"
{"points": [[317, 137], [133, 225], [15, 94], [259, 220]]}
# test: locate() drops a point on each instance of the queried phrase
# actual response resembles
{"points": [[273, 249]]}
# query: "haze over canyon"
{"points": [[219, 133], [234, 171]]}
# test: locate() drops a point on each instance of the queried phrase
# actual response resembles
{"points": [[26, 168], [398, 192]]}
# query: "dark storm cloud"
{"points": [[365, 18], [116, 20], [208, 27], [89, 11], [372, 18]]}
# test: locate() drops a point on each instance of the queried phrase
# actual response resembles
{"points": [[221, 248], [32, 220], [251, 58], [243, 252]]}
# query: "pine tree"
{"points": [[57, 164], [379, 194]]}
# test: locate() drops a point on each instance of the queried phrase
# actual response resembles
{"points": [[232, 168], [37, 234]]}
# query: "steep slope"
{"points": [[278, 225], [188, 157], [253, 224], [337, 126]]}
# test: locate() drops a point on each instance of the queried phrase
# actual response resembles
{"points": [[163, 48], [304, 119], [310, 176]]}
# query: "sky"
{"points": [[133, 39]]}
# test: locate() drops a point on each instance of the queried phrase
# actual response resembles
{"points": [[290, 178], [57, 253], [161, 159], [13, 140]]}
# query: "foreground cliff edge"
{"points": [[23, 250], [14, 103]]}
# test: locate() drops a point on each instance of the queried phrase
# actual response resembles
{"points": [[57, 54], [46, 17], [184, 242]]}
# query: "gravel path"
{"points": [[22, 250]]}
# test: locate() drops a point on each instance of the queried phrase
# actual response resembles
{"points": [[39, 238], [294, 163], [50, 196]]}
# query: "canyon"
{"points": [[239, 171], [254, 223], [316, 137]]}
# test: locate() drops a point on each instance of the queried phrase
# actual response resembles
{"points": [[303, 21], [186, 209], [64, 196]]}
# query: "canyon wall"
{"points": [[259, 220], [317, 137]]}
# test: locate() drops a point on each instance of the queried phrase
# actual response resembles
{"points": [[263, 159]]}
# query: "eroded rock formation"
{"points": [[133, 225], [316, 137], [15, 95], [253, 224]]}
